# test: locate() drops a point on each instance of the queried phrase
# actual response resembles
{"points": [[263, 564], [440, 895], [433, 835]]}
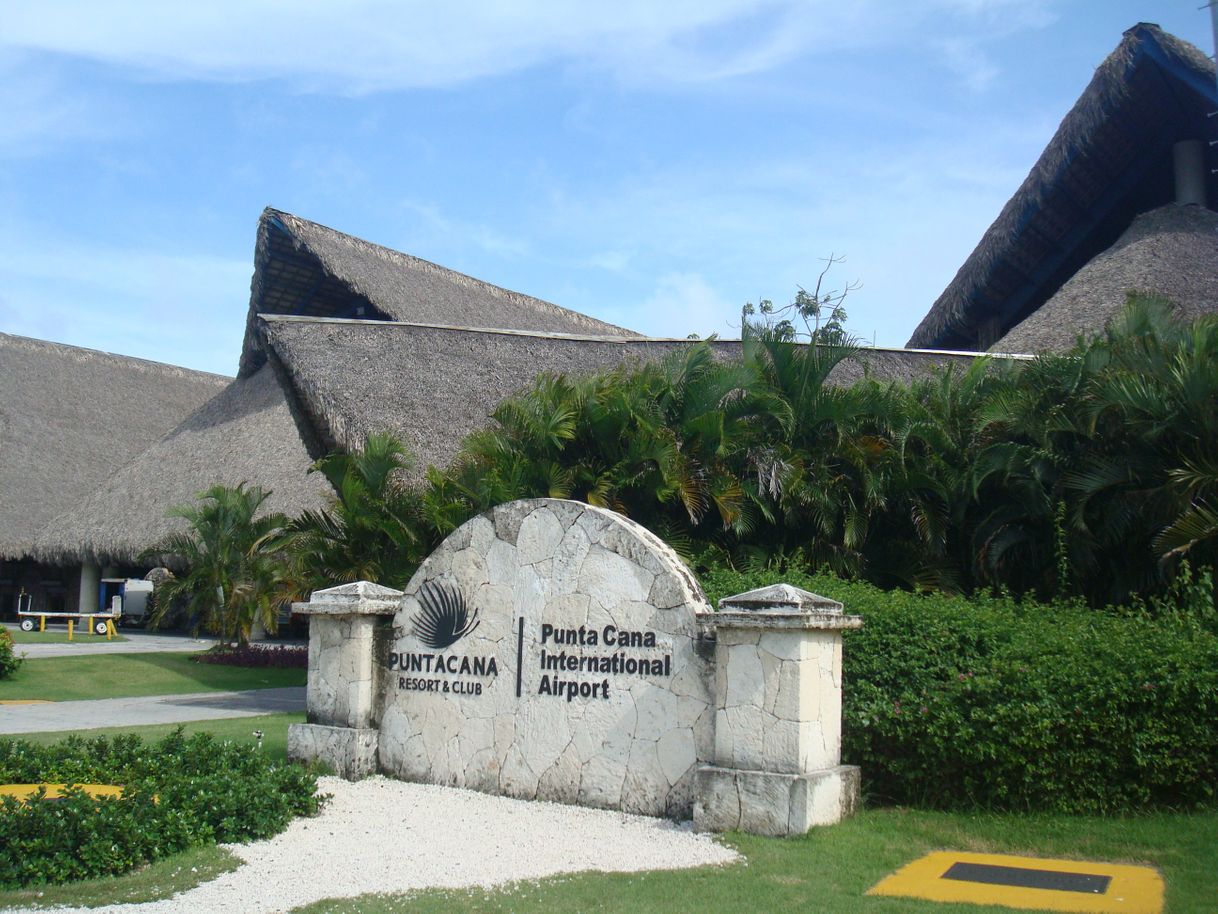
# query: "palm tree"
{"points": [[824, 459], [231, 572], [1149, 487], [372, 530]]}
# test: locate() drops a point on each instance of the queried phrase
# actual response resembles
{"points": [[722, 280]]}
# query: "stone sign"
{"points": [[549, 649], [552, 650]]}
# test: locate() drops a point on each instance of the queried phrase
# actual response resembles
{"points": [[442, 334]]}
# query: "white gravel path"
{"points": [[387, 836]]}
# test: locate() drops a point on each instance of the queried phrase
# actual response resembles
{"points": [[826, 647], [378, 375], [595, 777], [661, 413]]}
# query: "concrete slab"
{"points": [[139, 641], [156, 709]]}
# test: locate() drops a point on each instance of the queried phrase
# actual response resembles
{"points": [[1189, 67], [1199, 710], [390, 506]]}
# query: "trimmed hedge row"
{"points": [[179, 793], [998, 704]]}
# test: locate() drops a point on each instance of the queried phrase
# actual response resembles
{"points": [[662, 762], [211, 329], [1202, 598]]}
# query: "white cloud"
{"points": [[448, 232], [38, 108], [725, 234], [685, 303], [372, 45], [609, 261], [969, 63], [180, 309]]}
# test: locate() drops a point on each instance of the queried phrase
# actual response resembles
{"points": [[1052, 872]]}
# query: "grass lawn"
{"points": [[825, 872], [125, 675], [828, 871], [58, 637], [155, 881], [274, 729]]}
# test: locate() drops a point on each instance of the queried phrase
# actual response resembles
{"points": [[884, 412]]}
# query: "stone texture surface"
{"points": [[778, 699], [350, 752], [339, 691], [618, 734], [769, 803], [341, 651], [780, 597], [356, 598]]}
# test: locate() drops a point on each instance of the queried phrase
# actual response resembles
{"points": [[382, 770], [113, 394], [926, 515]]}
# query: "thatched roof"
{"points": [[1171, 251], [304, 268], [244, 434], [432, 385], [71, 417], [1109, 161]]}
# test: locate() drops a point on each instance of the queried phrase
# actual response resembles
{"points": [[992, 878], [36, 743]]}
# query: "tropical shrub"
{"points": [[1003, 704], [372, 530], [1078, 475], [1084, 474], [233, 577], [178, 793], [9, 660]]}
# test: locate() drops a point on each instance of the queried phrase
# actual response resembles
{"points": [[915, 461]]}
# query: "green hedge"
{"points": [[9, 661], [179, 792], [991, 703]]}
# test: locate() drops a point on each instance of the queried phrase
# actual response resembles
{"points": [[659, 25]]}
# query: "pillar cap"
{"points": [[360, 598], [780, 606], [779, 598]]}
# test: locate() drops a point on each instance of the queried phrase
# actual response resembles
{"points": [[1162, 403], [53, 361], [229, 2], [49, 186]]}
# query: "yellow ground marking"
{"points": [[24, 792], [25, 701], [1131, 889]]}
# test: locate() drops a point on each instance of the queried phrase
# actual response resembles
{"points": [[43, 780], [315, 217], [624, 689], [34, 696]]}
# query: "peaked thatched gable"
{"points": [[1109, 161], [1171, 251], [244, 434], [71, 417], [433, 385], [303, 268]]}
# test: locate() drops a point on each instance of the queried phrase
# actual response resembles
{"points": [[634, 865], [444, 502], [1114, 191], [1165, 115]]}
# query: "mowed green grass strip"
{"points": [[829, 870], [156, 881], [130, 675]]}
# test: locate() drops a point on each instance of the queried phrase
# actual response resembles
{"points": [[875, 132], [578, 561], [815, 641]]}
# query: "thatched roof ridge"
{"points": [[1171, 251], [304, 268], [244, 434], [1084, 189], [431, 385], [70, 417]]}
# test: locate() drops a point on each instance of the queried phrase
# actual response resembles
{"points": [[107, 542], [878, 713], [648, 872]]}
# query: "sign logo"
{"points": [[444, 619]]}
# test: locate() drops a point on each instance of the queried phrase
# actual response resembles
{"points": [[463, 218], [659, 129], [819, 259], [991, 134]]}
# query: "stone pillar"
{"points": [[339, 693], [778, 699], [90, 588]]}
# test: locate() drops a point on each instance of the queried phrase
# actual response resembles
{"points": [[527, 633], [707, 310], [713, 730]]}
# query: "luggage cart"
{"points": [[99, 623]]}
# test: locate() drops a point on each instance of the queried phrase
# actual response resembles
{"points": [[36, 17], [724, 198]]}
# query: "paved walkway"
{"points": [[156, 709], [138, 642]]}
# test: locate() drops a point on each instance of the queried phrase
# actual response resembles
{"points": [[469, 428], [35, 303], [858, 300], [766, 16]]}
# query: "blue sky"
{"points": [[653, 164]]}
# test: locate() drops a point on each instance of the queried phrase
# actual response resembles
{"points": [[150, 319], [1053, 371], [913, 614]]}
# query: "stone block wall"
{"points": [[552, 650]]}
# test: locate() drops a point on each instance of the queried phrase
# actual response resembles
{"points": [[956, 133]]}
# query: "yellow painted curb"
{"points": [[1097, 888], [25, 701]]}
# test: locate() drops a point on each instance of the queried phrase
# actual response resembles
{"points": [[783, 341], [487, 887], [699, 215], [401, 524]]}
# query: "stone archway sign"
{"points": [[548, 649]]}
